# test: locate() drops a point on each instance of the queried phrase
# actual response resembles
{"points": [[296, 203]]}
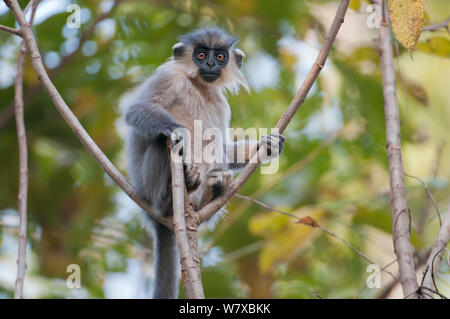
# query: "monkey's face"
{"points": [[210, 62], [210, 55]]}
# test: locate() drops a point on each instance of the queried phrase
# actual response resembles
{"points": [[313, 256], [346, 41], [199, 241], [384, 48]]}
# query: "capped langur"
{"points": [[186, 90]]}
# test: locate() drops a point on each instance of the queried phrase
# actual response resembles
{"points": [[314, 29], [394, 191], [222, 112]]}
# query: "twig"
{"points": [[401, 235], [210, 209], [72, 120], [23, 163], [265, 205], [423, 216], [10, 30], [433, 291], [8, 112], [189, 268], [429, 194], [437, 26], [435, 257]]}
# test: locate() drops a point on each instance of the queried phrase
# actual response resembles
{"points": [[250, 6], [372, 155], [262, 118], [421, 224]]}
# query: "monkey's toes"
{"points": [[191, 176]]}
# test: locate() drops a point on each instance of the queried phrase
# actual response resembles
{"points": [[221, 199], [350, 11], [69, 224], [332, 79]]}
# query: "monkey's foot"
{"points": [[191, 176], [219, 181]]}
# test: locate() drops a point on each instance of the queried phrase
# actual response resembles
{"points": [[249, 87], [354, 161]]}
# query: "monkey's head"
{"points": [[210, 55]]}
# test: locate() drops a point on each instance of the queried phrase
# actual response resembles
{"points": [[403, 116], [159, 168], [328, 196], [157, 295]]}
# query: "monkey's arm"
{"points": [[239, 153], [150, 120]]}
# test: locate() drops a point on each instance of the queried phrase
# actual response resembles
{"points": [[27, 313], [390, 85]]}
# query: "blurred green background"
{"points": [[333, 168]]}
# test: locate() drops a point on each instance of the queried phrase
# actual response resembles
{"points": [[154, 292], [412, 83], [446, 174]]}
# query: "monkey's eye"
{"points": [[201, 55], [220, 57]]}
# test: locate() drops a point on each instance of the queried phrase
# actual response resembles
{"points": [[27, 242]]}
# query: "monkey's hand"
{"points": [[273, 144], [180, 139], [168, 129]]}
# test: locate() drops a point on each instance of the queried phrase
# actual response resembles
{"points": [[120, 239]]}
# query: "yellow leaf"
{"points": [[407, 20], [355, 4]]}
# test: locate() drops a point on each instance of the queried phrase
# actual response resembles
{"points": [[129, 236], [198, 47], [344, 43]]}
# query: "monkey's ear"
{"points": [[178, 49], [238, 55]]}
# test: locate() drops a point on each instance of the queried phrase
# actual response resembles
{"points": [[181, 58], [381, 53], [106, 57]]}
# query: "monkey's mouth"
{"points": [[209, 77]]}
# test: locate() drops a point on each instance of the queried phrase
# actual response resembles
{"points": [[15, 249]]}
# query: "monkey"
{"points": [[190, 86]]}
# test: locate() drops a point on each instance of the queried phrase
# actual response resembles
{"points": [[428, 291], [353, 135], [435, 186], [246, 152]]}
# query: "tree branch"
{"points": [[10, 30], [435, 257], [210, 209], [23, 173], [427, 190], [189, 268], [436, 26], [400, 216], [23, 163], [72, 120]]}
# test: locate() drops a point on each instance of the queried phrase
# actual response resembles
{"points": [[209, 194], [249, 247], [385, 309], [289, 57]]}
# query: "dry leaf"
{"points": [[308, 221], [407, 20]]}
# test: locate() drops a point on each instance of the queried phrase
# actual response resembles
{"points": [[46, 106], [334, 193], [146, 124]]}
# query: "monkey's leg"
{"points": [[215, 184]]}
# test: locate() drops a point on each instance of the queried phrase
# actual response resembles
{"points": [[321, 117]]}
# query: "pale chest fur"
{"points": [[199, 104]]}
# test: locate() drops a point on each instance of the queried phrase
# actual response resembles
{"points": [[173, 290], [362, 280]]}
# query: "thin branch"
{"points": [[435, 257], [72, 120], [433, 291], [10, 30], [436, 26], [23, 173], [429, 194], [23, 163], [189, 268], [8, 112], [210, 209], [265, 206], [401, 235]]}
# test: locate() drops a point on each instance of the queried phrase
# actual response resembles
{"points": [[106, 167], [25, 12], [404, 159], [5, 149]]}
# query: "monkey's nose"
{"points": [[210, 63]]}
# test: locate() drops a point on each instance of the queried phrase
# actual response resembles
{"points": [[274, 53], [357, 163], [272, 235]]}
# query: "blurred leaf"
{"points": [[437, 45], [284, 237]]}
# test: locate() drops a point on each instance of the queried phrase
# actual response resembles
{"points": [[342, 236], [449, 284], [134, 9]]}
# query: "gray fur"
{"points": [[174, 96]]}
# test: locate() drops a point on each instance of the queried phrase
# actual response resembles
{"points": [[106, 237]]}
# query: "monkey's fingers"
{"points": [[178, 139], [191, 176]]}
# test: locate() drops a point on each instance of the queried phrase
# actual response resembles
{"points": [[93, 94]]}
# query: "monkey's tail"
{"points": [[167, 262]]}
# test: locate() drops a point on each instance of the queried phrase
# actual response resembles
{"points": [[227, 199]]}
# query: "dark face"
{"points": [[210, 62]]}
